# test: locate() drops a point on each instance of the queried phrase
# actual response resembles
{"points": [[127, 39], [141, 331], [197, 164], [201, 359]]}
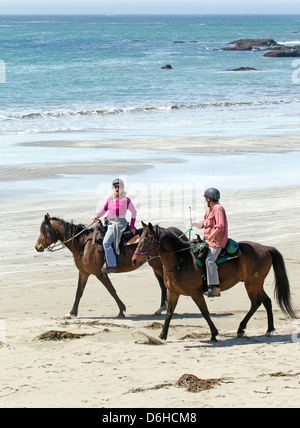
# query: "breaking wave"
{"points": [[138, 109]]}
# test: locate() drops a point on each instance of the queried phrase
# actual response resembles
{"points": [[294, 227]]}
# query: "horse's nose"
{"points": [[39, 247], [134, 262]]}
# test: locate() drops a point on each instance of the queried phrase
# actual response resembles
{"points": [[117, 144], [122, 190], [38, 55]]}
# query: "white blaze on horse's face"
{"points": [[41, 243], [39, 246], [45, 238]]}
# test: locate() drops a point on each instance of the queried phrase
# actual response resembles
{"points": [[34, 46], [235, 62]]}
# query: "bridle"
{"points": [[148, 253], [56, 246], [49, 234]]}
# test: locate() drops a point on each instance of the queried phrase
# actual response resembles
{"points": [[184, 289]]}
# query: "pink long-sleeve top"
{"points": [[118, 208]]}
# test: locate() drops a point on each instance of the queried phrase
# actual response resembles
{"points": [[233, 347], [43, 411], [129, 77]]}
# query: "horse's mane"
{"points": [[71, 228], [177, 242]]}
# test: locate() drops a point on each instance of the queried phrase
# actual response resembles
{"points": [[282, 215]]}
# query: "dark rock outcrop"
{"points": [[240, 46], [244, 69], [284, 51], [275, 49], [256, 42], [249, 44]]}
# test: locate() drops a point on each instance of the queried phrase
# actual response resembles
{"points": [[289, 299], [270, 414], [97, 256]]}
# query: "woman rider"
{"points": [[117, 205]]}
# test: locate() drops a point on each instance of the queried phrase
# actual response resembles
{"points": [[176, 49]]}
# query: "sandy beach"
{"points": [[112, 364]]}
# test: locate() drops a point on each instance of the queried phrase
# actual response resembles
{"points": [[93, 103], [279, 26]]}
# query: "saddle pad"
{"points": [[225, 258]]}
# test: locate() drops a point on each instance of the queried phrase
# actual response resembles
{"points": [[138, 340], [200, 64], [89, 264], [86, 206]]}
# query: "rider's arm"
{"points": [[212, 235], [132, 209], [199, 225], [102, 211]]}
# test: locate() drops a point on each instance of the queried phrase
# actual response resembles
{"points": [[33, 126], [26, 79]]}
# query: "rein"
{"points": [[60, 245], [149, 258]]}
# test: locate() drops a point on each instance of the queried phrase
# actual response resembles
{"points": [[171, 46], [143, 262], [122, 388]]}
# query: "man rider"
{"points": [[216, 234]]}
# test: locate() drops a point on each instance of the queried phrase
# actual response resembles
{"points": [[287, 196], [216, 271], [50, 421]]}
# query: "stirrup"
{"points": [[108, 269]]}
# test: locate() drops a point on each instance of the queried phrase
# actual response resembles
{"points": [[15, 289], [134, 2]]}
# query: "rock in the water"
{"points": [[256, 42], [244, 69], [284, 51], [248, 44], [275, 49]]}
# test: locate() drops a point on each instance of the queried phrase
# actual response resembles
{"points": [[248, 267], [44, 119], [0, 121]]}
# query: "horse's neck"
{"points": [[174, 259], [65, 236], [168, 255]]}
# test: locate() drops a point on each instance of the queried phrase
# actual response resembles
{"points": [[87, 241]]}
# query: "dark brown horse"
{"points": [[183, 276], [89, 260]]}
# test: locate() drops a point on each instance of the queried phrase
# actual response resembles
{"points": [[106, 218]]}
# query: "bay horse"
{"points": [[89, 260], [183, 276]]}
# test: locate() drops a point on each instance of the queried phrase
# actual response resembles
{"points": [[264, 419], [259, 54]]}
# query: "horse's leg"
{"points": [[163, 294], [268, 305], [254, 296], [110, 288], [82, 280], [172, 299], [200, 302]]}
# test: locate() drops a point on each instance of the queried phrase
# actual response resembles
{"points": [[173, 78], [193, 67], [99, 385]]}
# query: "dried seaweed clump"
{"points": [[59, 335], [155, 325], [193, 384]]}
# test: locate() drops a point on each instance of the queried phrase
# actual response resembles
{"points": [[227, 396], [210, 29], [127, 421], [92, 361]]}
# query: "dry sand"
{"points": [[114, 365]]}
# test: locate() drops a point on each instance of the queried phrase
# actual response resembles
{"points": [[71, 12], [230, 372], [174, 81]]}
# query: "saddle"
{"points": [[127, 238], [231, 251]]}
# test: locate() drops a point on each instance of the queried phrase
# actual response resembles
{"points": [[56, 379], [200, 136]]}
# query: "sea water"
{"points": [[99, 78]]}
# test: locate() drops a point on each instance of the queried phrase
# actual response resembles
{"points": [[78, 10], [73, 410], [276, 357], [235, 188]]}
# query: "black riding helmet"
{"points": [[212, 193]]}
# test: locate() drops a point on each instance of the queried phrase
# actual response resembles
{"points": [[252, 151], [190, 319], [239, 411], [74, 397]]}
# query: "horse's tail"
{"points": [[282, 285]]}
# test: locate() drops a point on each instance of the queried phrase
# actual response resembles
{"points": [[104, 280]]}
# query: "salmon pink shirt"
{"points": [[118, 208], [215, 217]]}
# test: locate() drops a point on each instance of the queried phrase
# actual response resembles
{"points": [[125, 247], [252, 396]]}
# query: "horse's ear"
{"points": [[144, 225], [47, 218], [151, 228]]}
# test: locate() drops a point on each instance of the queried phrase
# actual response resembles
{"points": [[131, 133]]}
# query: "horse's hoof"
{"points": [[269, 333], [160, 310], [241, 334], [121, 315], [69, 316]]}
